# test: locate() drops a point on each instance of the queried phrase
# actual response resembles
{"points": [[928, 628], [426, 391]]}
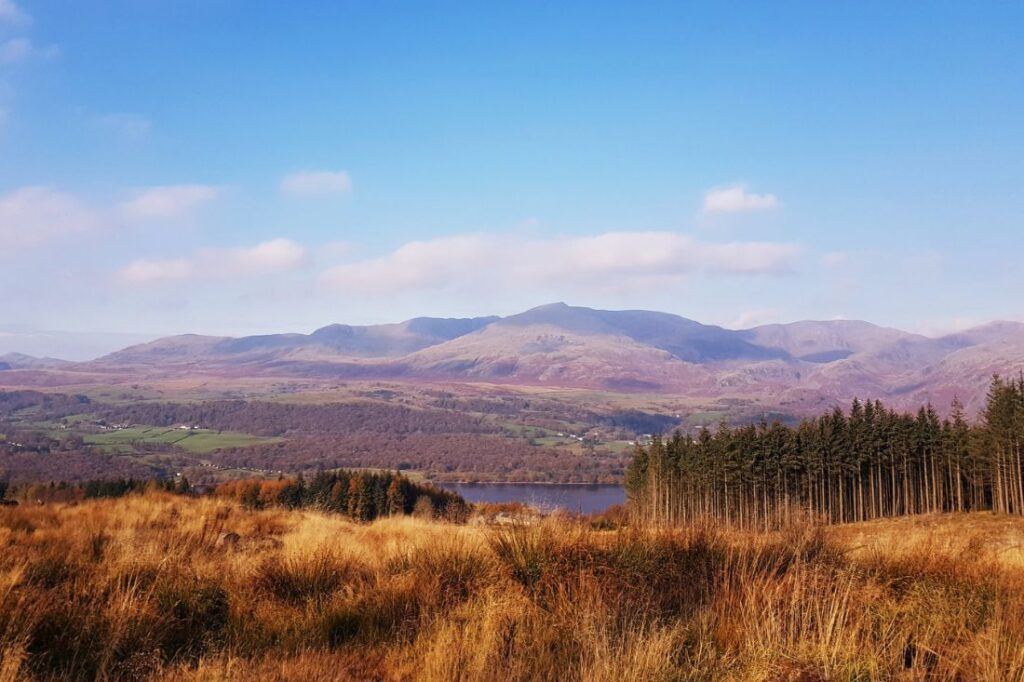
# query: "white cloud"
{"points": [[754, 318], [32, 215], [22, 49], [736, 199], [128, 126], [276, 255], [13, 14], [942, 326], [622, 260], [314, 183], [270, 256], [146, 270], [170, 201]]}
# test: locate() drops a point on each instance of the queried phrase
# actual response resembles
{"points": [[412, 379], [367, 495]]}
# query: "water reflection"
{"points": [[585, 499]]}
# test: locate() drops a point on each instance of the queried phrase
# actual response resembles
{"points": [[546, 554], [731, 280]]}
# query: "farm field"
{"points": [[199, 441]]}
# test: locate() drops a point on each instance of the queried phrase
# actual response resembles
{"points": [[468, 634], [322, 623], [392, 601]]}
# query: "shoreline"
{"points": [[550, 483]]}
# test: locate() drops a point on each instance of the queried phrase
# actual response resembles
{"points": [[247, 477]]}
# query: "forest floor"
{"points": [[155, 587]]}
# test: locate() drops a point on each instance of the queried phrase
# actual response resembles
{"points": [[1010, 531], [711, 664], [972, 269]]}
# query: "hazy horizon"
{"points": [[81, 346]]}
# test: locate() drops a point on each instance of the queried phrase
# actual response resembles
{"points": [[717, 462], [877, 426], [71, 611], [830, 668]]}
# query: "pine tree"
{"points": [[396, 498], [868, 463], [358, 499]]}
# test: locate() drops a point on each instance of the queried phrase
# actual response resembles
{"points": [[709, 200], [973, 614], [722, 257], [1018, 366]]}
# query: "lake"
{"points": [[587, 499]]}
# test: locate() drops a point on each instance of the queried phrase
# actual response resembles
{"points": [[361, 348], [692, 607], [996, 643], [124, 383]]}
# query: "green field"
{"points": [[199, 441], [555, 441]]}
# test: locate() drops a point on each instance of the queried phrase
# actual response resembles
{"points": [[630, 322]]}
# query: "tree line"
{"points": [[52, 405], [101, 488], [844, 466], [359, 495], [362, 496], [263, 418]]}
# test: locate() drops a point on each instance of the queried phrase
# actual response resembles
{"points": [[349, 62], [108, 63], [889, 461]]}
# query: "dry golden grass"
{"points": [[142, 588], [995, 538]]}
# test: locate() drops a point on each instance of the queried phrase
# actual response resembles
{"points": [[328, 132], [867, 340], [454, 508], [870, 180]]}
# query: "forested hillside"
{"points": [[867, 463], [446, 436]]}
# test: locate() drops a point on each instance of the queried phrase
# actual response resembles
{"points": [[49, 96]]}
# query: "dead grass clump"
{"points": [[194, 615], [391, 611], [52, 570], [16, 523], [533, 553], [661, 572], [309, 665], [61, 642], [298, 579], [449, 571]]}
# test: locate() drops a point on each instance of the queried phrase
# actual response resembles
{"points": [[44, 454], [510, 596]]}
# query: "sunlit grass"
{"points": [[147, 587]]}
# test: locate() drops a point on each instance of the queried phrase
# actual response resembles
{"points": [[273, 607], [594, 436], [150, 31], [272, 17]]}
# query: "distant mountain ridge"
{"points": [[335, 340], [800, 365], [22, 361]]}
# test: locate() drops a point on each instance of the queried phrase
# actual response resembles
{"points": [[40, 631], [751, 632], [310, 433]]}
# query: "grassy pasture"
{"points": [[198, 441]]}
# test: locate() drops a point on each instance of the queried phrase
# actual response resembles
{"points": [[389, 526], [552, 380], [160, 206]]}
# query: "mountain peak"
{"points": [[574, 319]]}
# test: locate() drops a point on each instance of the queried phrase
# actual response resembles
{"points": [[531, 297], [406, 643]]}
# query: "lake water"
{"points": [[587, 499]]}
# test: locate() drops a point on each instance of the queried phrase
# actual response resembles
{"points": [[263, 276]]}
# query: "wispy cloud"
{"points": [[33, 215], [126, 126], [36, 214], [23, 49], [736, 199], [157, 270], [12, 14], [927, 260], [316, 182], [843, 272], [276, 255], [834, 259], [623, 260], [755, 317], [169, 201]]}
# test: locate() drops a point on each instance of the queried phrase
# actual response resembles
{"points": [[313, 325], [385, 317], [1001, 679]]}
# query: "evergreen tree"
{"points": [[359, 499], [866, 463], [396, 497]]}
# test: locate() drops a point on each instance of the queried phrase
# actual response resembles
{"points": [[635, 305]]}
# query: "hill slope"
{"points": [[800, 366], [336, 341]]}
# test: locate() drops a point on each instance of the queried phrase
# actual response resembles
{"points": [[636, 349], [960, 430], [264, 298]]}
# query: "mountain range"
{"points": [[797, 366]]}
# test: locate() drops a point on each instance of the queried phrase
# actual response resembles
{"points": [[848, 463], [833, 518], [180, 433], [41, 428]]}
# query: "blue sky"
{"points": [[226, 167]]}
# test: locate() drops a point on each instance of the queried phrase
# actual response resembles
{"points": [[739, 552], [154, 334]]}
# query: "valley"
{"points": [[557, 394]]}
